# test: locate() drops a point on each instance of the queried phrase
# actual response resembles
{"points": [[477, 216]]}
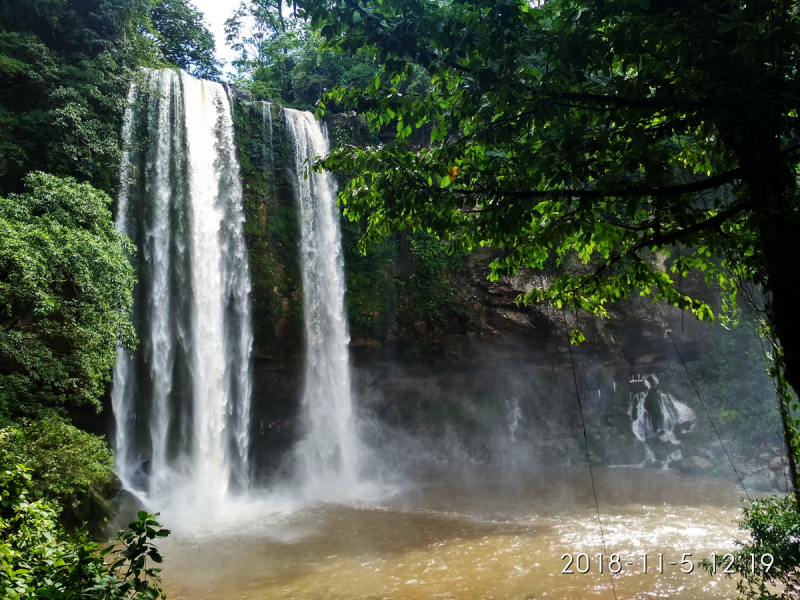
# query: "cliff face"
{"points": [[443, 358]]}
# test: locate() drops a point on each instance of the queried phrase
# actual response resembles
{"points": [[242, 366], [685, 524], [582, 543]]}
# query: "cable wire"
{"points": [[588, 457], [700, 398]]}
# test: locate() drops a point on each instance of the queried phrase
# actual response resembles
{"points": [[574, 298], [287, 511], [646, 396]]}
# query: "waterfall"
{"points": [[514, 416], [268, 156], [328, 454], [657, 414], [182, 400]]}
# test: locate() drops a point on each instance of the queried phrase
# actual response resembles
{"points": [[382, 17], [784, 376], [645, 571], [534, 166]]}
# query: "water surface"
{"points": [[472, 533]]}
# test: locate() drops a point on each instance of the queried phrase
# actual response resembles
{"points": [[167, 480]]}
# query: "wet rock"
{"points": [[755, 483], [696, 463], [777, 463], [780, 480], [748, 469]]}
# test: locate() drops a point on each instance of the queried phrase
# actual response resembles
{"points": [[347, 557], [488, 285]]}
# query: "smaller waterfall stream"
{"points": [[655, 414], [329, 452], [266, 126]]}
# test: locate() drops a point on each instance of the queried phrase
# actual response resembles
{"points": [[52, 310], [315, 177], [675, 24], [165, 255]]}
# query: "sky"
{"points": [[216, 13]]}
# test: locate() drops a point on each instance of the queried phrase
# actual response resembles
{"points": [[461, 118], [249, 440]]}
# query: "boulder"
{"points": [[777, 463], [696, 463], [754, 483]]}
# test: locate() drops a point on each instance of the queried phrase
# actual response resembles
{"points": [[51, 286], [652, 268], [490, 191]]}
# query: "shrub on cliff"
{"points": [[65, 296], [70, 467]]}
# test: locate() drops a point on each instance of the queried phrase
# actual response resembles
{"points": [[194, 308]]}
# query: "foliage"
{"points": [[280, 59], [774, 527], [372, 287], [264, 36], [69, 466], [65, 295], [64, 74], [731, 378], [184, 39], [433, 295], [37, 561], [318, 70], [272, 74], [556, 129], [607, 130]]}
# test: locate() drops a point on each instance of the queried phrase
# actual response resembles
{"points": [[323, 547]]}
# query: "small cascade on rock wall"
{"points": [[182, 401], [655, 414], [266, 126], [329, 452]]}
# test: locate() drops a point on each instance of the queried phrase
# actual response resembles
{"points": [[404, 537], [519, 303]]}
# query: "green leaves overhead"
{"points": [[615, 131]]}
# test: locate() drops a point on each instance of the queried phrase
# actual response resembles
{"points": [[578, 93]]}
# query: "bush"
{"points": [[774, 526], [65, 297], [38, 561], [70, 467]]}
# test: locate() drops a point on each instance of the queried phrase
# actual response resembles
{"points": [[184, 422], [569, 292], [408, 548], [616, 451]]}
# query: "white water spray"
{"points": [[514, 416], [329, 452], [182, 401]]}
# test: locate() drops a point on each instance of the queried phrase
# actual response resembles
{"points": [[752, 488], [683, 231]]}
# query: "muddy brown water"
{"points": [[475, 533]]}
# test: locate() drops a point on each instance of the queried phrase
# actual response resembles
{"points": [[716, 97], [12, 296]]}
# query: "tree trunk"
{"points": [[783, 310], [771, 193]]}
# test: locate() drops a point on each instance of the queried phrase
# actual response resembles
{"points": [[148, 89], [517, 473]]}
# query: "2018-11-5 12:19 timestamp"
{"points": [[615, 563]]}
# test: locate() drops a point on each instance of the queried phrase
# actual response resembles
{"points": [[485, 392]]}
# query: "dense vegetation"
{"points": [[282, 59], [36, 561], [65, 296], [66, 280], [609, 131]]}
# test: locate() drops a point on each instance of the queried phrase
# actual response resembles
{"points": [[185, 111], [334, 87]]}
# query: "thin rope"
{"points": [[588, 459], [680, 281], [703, 404], [754, 311]]}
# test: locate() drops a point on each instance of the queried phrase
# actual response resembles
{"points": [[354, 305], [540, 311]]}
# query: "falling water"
{"points": [[266, 125], [181, 402], [328, 454], [514, 416], [656, 414]]}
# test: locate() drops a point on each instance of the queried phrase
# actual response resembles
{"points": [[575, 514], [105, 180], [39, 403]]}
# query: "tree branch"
{"points": [[630, 192]]}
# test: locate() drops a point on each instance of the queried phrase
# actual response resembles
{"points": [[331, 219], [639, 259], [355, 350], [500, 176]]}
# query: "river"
{"points": [[470, 533]]}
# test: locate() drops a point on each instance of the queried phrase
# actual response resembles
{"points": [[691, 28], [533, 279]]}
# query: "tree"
{"points": [[281, 59], [65, 296], [184, 38], [65, 69], [611, 129], [268, 41], [253, 24]]}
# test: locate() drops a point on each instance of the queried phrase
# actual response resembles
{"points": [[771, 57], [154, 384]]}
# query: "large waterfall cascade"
{"points": [[328, 454], [182, 401]]}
